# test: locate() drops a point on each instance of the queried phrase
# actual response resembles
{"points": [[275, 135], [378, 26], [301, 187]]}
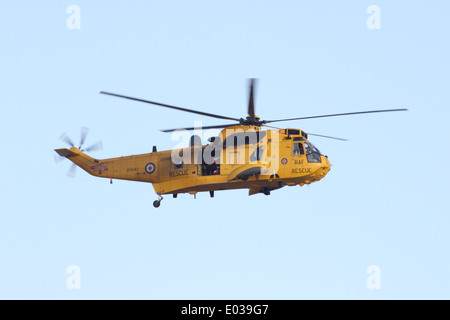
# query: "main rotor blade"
{"points": [[265, 125], [84, 132], [329, 137], [337, 114], [207, 127], [64, 137], [251, 100], [172, 107]]}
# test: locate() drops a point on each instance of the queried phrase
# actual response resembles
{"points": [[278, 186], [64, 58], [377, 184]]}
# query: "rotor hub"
{"points": [[252, 121]]}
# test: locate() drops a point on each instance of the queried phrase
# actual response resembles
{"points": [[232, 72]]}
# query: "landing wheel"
{"points": [[157, 203], [266, 192]]}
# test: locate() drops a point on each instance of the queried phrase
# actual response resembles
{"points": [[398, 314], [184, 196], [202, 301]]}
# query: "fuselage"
{"points": [[240, 157]]}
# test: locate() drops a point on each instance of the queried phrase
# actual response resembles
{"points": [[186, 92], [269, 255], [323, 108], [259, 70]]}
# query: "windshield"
{"points": [[312, 153], [312, 147]]}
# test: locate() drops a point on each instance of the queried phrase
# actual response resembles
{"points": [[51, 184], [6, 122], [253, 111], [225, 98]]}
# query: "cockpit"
{"points": [[307, 148]]}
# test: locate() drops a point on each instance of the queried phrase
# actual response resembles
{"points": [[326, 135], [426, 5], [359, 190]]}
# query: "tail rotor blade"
{"points": [[72, 170], [58, 158], [94, 147], [64, 137], [84, 133]]}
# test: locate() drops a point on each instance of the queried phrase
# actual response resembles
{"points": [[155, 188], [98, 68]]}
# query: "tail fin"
{"points": [[88, 164]]}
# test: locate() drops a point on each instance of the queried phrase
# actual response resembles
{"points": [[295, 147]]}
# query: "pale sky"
{"points": [[384, 203]]}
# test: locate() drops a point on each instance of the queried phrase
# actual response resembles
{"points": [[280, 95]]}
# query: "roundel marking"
{"points": [[150, 168], [284, 161]]}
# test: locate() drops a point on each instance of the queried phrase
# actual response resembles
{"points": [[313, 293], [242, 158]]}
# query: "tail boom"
{"points": [[124, 168]]}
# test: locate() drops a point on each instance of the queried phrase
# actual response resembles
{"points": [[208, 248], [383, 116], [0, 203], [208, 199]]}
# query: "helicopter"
{"points": [[247, 154]]}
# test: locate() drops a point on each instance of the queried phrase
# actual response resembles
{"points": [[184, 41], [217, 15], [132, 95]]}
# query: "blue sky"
{"points": [[385, 201]]}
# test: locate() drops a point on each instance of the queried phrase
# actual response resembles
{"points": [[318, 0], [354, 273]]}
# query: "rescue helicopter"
{"points": [[248, 153]]}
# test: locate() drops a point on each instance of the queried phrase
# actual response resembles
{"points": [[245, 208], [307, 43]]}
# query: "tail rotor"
{"points": [[83, 135]]}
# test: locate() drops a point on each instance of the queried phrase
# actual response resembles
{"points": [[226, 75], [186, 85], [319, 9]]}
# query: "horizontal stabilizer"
{"points": [[65, 152]]}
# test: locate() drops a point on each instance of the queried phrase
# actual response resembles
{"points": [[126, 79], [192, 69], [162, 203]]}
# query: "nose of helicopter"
{"points": [[325, 168]]}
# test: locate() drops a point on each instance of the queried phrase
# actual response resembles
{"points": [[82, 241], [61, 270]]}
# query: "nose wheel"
{"points": [[157, 203]]}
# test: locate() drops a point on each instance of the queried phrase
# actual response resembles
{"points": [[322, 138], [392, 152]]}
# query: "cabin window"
{"points": [[178, 164], [209, 169], [298, 149], [257, 154]]}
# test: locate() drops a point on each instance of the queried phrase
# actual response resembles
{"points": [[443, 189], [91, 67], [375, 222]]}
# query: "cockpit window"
{"points": [[314, 148], [311, 148], [312, 153], [308, 148]]}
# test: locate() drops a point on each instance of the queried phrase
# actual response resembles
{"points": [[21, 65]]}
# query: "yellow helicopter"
{"points": [[242, 156]]}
